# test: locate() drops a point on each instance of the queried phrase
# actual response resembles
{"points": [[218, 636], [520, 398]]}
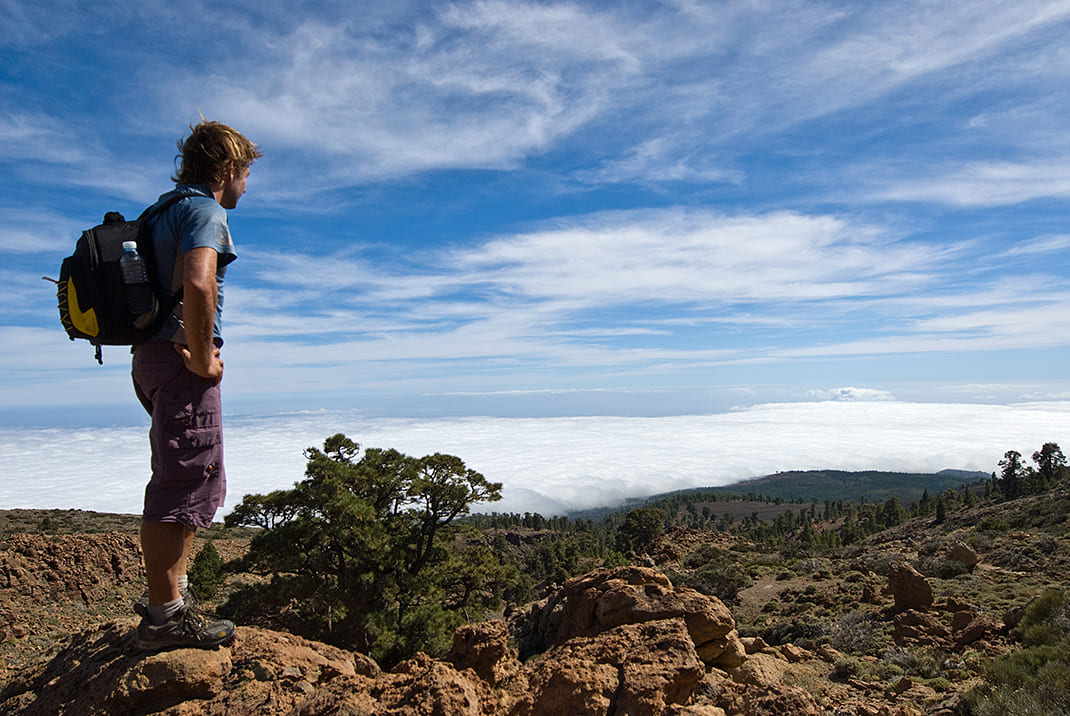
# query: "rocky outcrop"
{"points": [[917, 628], [101, 672], [614, 641], [617, 641], [79, 572], [607, 598]]}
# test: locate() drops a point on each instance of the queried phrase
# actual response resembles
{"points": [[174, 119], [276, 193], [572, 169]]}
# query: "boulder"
{"points": [[608, 598], [760, 670], [829, 653], [961, 618], [910, 590], [965, 554], [767, 700], [976, 628], [795, 654], [754, 644], [628, 669], [726, 653]]}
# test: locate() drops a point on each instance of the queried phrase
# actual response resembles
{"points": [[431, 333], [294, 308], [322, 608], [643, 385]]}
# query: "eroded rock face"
{"points": [[632, 668], [69, 567], [484, 648]]}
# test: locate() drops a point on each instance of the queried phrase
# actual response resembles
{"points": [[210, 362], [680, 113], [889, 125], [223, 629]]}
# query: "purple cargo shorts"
{"points": [[188, 482]]}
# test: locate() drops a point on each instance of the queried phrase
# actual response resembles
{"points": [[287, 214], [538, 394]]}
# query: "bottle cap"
{"points": [[129, 246]]}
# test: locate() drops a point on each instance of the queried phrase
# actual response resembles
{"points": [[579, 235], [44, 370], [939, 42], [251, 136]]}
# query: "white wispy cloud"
{"points": [[669, 263], [351, 99], [1040, 245], [985, 184], [682, 256]]}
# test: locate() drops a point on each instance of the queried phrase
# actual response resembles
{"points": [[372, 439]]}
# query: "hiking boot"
{"points": [[141, 606], [185, 629]]}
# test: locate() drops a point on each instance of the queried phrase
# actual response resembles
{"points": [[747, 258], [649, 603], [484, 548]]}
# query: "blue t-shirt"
{"points": [[197, 221]]}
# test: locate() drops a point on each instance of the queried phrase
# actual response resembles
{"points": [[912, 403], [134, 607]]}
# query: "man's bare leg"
{"points": [[169, 623], [166, 548]]}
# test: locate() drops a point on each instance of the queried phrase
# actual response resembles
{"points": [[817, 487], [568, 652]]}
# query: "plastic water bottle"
{"points": [[139, 296]]}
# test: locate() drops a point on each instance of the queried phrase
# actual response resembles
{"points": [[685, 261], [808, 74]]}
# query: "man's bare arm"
{"points": [[199, 296]]}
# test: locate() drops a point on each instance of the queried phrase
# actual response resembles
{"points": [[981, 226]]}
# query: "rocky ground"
{"points": [[897, 626]]}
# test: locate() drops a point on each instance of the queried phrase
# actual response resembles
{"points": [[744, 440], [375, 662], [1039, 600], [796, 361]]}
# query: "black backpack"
{"points": [[93, 300]]}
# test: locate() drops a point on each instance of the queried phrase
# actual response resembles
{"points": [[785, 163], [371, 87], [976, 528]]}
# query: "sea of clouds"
{"points": [[550, 465]]}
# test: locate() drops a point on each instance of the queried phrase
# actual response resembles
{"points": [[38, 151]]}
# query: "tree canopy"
{"points": [[360, 553]]}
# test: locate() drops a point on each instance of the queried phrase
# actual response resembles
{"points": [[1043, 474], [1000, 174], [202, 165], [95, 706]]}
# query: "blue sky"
{"points": [[549, 209]]}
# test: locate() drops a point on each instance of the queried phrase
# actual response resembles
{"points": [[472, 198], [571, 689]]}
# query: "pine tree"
{"points": [[941, 510]]}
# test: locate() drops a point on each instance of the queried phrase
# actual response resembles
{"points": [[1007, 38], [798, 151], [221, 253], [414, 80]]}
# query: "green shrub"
{"points": [[853, 667], [882, 563], [1046, 621], [1018, 558], [939, 684], [922, 662], [1032, 682], [206, 572], [991, 524], [942, 568], [716, 572], [855, 634], [1007, 702], [793, 632], [845, 668]]}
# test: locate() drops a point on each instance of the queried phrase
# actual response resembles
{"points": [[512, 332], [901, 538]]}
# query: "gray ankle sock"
{"points": [[162, 613]]}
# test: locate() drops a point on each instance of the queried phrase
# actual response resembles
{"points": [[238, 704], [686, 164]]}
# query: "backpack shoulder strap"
{"points": [[147, 247]]}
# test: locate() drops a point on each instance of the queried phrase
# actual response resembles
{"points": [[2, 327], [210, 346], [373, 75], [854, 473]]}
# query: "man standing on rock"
{"points": [[177, 375]]}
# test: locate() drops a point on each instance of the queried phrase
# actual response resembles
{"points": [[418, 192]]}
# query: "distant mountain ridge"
{"points": [[818, 486], [873, 485]]}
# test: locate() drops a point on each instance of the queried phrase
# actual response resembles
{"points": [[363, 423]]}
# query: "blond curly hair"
{"points": [[211, 151]]}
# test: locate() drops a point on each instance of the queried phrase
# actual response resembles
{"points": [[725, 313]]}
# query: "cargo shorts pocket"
{"points": [[193, 429]]}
